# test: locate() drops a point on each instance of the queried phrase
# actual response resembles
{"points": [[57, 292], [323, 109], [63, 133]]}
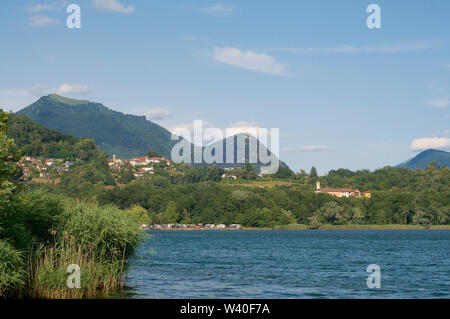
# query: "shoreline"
{"points": [[325, 227]]}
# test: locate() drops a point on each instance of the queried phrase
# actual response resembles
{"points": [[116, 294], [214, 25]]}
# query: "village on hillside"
{"points": [[49, 170]]}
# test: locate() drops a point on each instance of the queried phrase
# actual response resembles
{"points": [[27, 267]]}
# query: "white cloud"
{"points": [[16, 99], [242, 127], [42, 21], [158, 114], [42, 89], [219, 9], [421, 144], [112, 6], [308, 148], [67, 88], [249, 60], [232, 129], [36, 90], [59, 5], [440, 103], [41, 7], [396, 48]]}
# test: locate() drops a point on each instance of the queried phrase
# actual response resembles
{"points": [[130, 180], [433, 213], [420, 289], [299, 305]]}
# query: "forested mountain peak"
{"points": [[114, 132]]}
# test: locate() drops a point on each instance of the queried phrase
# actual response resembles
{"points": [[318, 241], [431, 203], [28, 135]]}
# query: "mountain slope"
{"points": [[114, 132], [125, 135], [426, 157], [240, 149], [36, 140]]}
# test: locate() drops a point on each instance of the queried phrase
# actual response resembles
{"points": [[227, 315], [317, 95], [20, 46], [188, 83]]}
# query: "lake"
{"points": [[290, 264]]}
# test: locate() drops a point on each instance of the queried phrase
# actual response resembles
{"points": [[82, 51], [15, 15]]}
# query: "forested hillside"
{"points": [[36, 140], [125, 135]]}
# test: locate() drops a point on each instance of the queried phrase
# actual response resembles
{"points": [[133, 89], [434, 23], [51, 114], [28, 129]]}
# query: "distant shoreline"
{"points": [[327, 227], [364, 227]]}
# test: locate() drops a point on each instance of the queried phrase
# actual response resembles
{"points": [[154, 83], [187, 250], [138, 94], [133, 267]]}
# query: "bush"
{"points": [[97, 239], [12, 269], [108, 230]]}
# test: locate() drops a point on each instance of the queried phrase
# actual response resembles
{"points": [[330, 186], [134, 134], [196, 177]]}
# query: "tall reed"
{"points": [[12, 270], [97, 239]]}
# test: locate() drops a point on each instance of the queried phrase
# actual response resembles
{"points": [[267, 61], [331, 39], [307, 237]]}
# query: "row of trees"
{"points": [[211, 202]]}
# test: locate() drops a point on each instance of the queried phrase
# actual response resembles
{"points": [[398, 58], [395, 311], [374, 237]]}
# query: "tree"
{"points": [[313, 173], [301, 174], [314, 221], [171, 215], [152, 153], [421, 217], [247, 172], [284, 172], [214, 173], [331, 212], [126, 175], [9, 156], [138, 214], [432, 165]]}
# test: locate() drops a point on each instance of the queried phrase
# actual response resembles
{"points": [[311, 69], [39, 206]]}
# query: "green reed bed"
{"points": [[97, 239], [44, 234], [12, 269]]}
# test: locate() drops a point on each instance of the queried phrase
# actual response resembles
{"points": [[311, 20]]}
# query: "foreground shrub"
{"points": [[12, 270], [97, 239], [30, 217], [108, 231], [48, 274]]}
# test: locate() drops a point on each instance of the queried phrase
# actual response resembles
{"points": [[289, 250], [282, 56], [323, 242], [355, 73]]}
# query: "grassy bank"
{"points": [[53, 233], [292, 226]]}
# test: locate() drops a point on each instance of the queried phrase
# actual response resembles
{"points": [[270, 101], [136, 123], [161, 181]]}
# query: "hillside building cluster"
{"points": [[342, 192], [140, 165], [38, 169]]}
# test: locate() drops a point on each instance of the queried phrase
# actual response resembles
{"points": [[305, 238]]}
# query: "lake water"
{"points": [[291, 264]]}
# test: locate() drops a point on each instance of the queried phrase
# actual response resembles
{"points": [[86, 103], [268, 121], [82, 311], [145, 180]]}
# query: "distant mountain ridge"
{"points": [[125, 135], [426, 157], [240, 149]]}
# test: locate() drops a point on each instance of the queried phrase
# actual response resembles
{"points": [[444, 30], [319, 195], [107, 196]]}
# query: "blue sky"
{"points": [[342, 95]]}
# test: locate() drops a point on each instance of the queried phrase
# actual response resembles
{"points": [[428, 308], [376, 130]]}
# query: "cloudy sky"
{"points": [[342, 95]]}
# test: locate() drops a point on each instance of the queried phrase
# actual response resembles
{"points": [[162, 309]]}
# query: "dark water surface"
{"points": [[291, 264]]}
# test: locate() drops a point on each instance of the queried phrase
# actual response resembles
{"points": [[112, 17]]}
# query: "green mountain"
{"points": [[114, 132], [36, 140], [238, 150], [426, 157], [125, 135]]}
